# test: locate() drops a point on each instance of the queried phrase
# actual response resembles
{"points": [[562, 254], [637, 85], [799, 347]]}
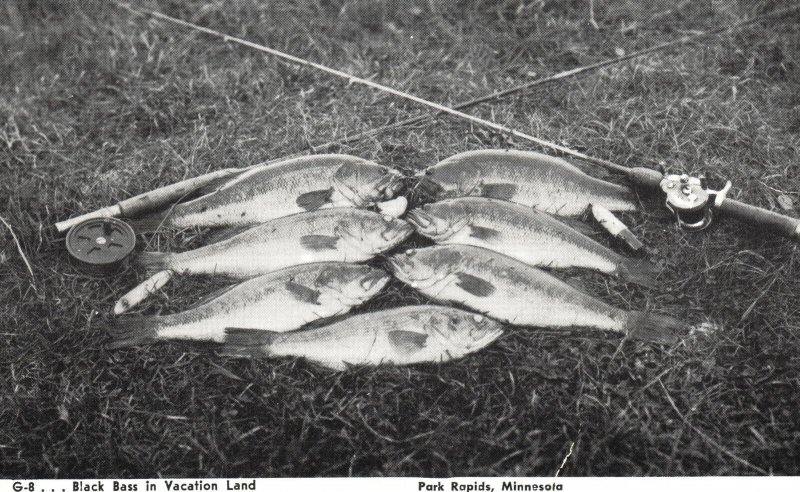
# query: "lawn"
{"points": [[97, 105]]}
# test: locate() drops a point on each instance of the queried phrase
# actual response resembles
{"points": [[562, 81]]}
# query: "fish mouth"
{"points": [[488, 331], [420, 219], [393, 264], [391, 185], [374, 280], [400, 267], [397, 231]]}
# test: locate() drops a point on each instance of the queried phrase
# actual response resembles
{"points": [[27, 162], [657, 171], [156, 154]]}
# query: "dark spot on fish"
{"points": [[407, 341], [484, 233], [303, 293], [474, 285], [314, 200], [243, 214], [203, 209], [318, 242], [500, 191]]}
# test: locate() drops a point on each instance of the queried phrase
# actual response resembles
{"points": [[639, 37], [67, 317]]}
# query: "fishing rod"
{"points": [[687, 197]]}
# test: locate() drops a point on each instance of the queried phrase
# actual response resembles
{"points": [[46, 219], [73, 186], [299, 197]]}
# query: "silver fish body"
{"points": [[297, 185], [523, 233], [406, 335], [335, 234], [512, 291], [532, 179], [279, 301]]}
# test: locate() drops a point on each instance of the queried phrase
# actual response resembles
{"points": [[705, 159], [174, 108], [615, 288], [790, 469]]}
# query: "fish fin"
{"points": [[640, 272], [227, 233], [318, 242], [154, 262], [132, 331], [653, 327], [303, 293], [150, 223], [407, 341], [500, 191], [574, 223], [598, 172], [215, 185], [484, 233], [313, 200], [211, 296], [577, 284], [474, 285], [247, 342]]}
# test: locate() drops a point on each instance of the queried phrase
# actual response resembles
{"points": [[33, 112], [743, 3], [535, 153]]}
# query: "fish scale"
{"points": [[289, 187], [270, 190], [279, 301], [526, 234], [512, 291], [406, 335], [532, 179], [336, 234]]}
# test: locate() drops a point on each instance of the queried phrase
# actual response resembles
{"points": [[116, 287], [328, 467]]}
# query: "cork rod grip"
{"points": [[761, 218]]}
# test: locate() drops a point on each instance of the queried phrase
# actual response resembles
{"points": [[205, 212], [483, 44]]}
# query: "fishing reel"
{"points": [[690, 200]]}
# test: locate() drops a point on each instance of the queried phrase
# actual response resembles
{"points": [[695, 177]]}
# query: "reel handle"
{"points": [[761, 218]]}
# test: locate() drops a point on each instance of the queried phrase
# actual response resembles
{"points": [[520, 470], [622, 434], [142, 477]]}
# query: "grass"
{"points": [[96, 105]]}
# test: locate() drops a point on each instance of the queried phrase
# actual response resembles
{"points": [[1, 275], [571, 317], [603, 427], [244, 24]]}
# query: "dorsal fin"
{"points": [[226, 233], [211, 296]]}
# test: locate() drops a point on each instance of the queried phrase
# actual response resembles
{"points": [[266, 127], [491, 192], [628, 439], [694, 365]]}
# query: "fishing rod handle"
{"points": [[645, 178], [152, 200], [761, 218]]}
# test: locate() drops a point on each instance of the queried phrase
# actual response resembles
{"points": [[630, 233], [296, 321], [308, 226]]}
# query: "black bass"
{"points": [[406, 335], [532, 179], [297, 185], [336, 234], [509, 290], [279, 301], [526, 234]]}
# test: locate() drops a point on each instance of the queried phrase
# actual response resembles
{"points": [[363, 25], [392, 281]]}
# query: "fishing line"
{"points": [[439, 107]]}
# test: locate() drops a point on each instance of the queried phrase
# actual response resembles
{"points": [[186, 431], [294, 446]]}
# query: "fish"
{"points": [[526, 234], [279, 301], [547, 183], [296, 185], [336, 234], [509, 290], [399, 336]]}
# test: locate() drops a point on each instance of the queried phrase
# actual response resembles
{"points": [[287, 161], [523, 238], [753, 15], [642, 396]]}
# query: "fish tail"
{"points": [[133, 331], [653, 327], [154, 262], [247, 342], [150, 223], [640, 272]]}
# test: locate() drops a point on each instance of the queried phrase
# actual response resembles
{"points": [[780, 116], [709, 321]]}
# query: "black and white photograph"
{"points": [[529, 240]]}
